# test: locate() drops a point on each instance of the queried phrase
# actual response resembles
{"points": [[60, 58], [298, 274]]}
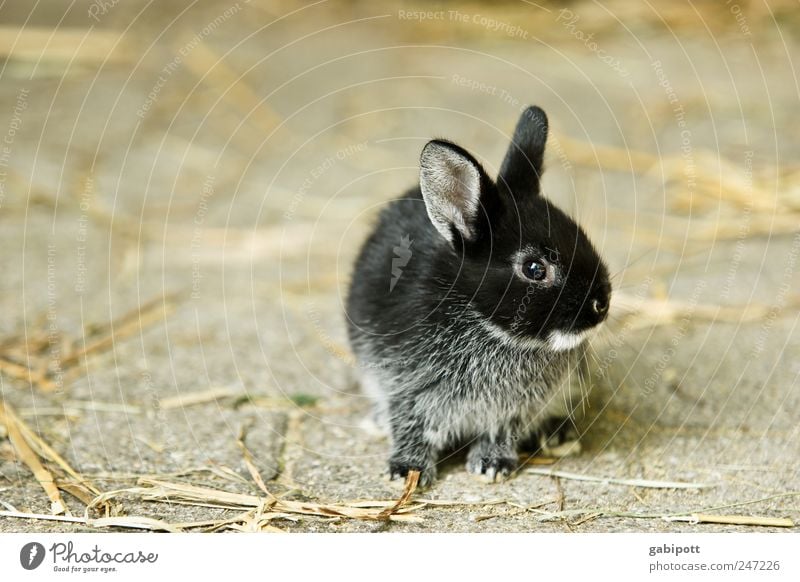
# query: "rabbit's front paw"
{"points": [[399, 469], [490, 461]]}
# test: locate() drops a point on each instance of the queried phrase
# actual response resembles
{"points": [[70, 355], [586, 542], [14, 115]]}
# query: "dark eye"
{"points": [[534, 270]]}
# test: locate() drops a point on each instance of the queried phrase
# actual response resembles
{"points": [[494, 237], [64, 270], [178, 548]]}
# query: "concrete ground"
{"points": [[231, 157]]}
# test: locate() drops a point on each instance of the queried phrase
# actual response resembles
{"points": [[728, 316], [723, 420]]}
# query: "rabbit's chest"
{"points": [[488, 393]]}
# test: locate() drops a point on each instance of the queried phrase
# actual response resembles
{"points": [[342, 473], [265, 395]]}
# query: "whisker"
{"points": [[632, 262]]}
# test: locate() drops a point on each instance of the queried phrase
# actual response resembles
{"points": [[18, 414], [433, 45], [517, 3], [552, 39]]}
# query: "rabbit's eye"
{"points": [[534, 270], [537, 269]]}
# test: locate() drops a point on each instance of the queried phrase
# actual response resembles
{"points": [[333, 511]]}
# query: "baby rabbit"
{"points": [[469, 304]]}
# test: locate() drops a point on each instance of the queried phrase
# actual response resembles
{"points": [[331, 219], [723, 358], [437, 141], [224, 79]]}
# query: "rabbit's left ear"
{"points": [[522, 166], [452, 183]]}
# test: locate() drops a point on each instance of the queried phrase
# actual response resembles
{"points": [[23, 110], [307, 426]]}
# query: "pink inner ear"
{"points": [[451, 188]]}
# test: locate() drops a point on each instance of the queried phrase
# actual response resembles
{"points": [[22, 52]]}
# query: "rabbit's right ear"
{"points": [[451, 181]]}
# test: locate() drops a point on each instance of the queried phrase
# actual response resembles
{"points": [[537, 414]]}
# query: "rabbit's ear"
{"points": [[522, 166], [451, 181]]}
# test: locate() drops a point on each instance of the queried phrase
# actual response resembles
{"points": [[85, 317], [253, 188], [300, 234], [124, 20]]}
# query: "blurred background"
{"points": [[184, 187]]}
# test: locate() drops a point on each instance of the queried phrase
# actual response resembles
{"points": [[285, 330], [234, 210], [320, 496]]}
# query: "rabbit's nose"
{"points": [[600, 306]]}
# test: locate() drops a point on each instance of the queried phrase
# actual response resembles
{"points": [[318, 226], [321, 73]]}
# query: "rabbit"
{"points": [[469, 307]]}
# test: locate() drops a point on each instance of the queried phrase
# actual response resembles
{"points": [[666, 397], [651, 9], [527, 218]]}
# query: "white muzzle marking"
{"points": [[560, 341]]}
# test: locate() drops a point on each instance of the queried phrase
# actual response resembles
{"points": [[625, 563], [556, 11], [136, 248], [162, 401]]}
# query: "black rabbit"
{"points": [[469, 305]]}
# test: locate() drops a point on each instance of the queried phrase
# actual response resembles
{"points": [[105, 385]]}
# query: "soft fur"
{"points": [[458, 346]]}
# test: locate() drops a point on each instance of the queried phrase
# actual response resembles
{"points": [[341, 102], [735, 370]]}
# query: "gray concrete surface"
{"points": [[262, 153]]}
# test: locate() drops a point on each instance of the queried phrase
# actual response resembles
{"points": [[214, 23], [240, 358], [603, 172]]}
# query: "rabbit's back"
{"points": [[385, 288]]}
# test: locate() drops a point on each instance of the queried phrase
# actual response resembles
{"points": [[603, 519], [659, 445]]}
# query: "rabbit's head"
{"points": [[526, 267]]}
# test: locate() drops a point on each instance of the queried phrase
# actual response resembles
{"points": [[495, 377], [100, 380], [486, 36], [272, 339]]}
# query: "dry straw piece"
{"points": [[43, 369], [27, 456], [696, 518], [63, 44], [32, 450], [646, 483], [261, 509]]}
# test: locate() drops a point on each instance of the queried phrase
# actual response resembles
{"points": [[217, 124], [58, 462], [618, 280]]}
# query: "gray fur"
{"points": [[459, 384]]}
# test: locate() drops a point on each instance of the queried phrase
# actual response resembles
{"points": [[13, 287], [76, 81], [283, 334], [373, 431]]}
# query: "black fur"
{"points": [[455, 344]]}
